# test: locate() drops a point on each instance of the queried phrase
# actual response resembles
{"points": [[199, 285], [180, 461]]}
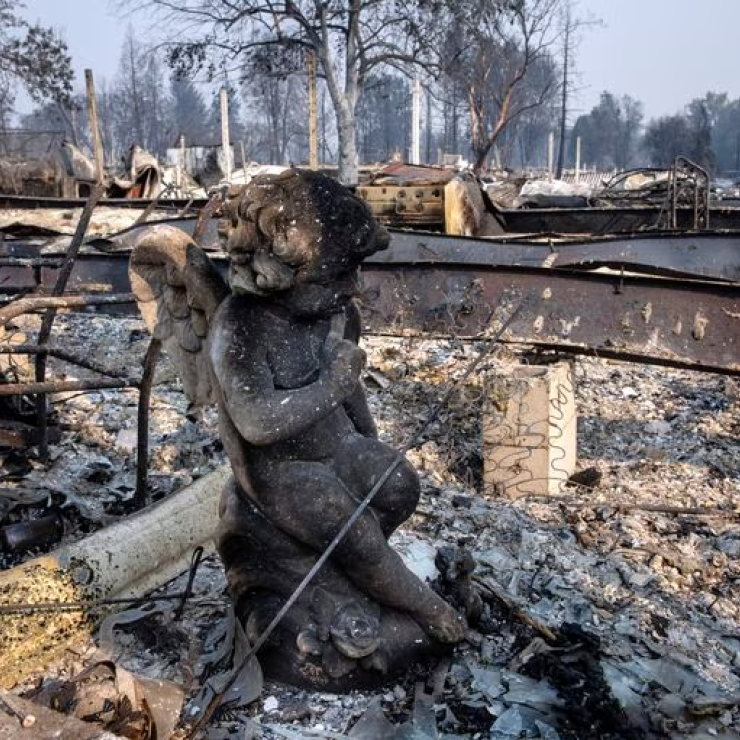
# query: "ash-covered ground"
{"points": [[607, 610]]}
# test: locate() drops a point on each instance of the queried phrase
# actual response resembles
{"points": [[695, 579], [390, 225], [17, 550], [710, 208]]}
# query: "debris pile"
{"points": [[608, 610]]}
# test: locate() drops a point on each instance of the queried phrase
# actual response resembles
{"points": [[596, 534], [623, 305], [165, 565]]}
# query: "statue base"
{"points": [[334, 638]]}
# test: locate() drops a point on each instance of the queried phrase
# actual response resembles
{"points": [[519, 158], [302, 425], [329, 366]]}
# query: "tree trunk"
{"points": [[477, 138], [349, 168]]}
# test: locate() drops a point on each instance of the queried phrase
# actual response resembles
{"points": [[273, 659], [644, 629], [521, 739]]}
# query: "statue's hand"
{"points": [[345, 362]]}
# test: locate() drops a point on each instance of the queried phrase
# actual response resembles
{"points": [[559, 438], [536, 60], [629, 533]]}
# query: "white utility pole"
{"points": [[225, 141], [416, 123]]}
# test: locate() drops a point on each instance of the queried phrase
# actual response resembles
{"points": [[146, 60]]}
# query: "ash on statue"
{"points": [[277, 350]]}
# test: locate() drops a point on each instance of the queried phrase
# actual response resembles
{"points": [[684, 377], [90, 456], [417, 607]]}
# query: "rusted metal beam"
{"points": [[714, 255], [449, 285], [29, 202], [141, 496], [689, 323], [609, 220], [61, 354], [707, 255]]}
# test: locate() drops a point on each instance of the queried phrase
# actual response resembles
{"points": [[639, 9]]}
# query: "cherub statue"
{"points": [[277, 350]]}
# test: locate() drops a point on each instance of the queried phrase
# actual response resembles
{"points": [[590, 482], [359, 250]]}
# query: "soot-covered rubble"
{"points": [[608, 611]]}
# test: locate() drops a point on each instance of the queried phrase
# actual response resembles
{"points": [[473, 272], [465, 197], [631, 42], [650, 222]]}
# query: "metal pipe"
{"points": [[32, 303], [63, 386], [141, 498]]}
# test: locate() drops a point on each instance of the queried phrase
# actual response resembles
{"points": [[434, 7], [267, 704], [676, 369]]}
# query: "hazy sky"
{"points": [[662, 52]]}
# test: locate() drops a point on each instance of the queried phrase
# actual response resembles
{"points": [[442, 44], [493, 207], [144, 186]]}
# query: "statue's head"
{"points": [[300, 236]]}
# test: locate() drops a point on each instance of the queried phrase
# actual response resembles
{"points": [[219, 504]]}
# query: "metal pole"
{"points": [[181, 164], [141, 495]]}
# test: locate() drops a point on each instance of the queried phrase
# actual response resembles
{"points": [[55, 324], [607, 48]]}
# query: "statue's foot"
{"points": [[259, 616], [335, 663], [439, 620], [308, 643], [377, 661]]}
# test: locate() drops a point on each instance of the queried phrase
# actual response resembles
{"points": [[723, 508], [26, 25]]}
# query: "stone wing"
{"points": [[178, 289]]}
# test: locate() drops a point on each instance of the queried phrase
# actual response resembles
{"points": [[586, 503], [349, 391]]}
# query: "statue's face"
{"points": [[299, 237]]}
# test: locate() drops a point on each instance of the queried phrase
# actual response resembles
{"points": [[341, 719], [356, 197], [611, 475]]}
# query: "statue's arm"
{"points": [[262, 413], [356, 404], [359, 412]]}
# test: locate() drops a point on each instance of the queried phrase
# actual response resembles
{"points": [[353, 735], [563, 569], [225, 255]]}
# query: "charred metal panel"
{"points": [[689, 323], [410, 205], [704, 255]]}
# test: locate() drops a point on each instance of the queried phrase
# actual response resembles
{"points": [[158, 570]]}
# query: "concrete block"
{"points": [[529, 430]]}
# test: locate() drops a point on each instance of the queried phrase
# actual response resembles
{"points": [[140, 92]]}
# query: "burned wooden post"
{"points": [[313, 138], [225, 133], [92, 108]]}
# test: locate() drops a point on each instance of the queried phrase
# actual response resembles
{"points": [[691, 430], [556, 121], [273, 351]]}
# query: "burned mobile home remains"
{"points": [[650, 279]]}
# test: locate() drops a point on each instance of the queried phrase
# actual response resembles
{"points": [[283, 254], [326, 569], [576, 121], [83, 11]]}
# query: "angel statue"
{"points": [[277, 350]]}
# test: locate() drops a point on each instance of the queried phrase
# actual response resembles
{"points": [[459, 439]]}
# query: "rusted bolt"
{"points": [[700, 326]]}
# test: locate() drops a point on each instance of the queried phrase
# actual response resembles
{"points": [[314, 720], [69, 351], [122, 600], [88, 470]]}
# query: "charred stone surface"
{"points": [[283, 350]]}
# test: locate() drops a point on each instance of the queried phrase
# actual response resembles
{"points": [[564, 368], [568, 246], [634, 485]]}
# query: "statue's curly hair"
{"points": [[307, 220]]}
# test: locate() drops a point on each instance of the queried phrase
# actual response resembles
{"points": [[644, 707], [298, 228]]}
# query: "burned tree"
{"points": [[505, 58], [139, 105], [609, 133], [348, 39], [33, 56]]}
